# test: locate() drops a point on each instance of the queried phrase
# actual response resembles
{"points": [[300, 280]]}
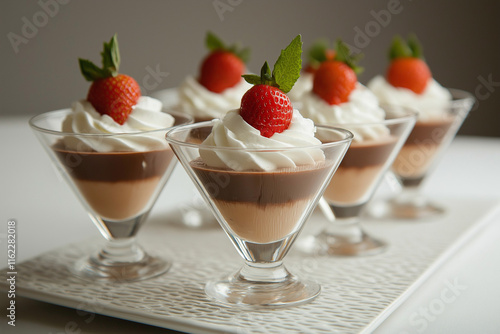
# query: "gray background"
{"points": [[460, 37]]}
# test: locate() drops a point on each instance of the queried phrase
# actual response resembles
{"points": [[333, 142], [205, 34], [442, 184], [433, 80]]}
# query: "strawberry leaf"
{"points": [[405, 49], [90, 71], [252, 79], [317, 53], [344, 55], [287, 67], [213, 42]]}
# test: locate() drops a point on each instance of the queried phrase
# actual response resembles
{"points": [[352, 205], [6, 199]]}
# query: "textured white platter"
{"points": [[357, 293]]}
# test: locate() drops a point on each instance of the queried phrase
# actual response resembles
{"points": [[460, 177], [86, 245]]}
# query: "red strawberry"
{"points": [[335, 79], [266, 106], [221, 70], [114, 96], [223, 67], [110, 93], [407, 68], [267, 109]]}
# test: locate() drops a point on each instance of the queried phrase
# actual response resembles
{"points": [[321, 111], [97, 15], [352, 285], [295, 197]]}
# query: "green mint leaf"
{"points": [[90, 71], [111, 56], [213, 42], [252, 79], [287, 67]]}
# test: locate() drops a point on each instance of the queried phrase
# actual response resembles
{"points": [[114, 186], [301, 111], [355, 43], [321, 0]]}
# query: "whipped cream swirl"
{"points": [[234, 132], [362, 108], [431, 104], [146, 115], [199, 102]]}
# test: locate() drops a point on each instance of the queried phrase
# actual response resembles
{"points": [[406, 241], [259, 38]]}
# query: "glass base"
{"points": [[269, 292], [332, 244], [411, 210], [90, 268]]}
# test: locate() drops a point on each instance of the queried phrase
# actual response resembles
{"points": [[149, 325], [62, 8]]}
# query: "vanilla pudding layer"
{"points": [[116, 185], [118, 200], [359, 172], [262, 223]]}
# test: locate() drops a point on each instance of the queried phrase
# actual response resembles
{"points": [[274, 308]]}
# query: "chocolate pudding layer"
{"points": [[420, 148], [260, 187], [114, 166], [116, 185], [359, 172], [262, 207]]}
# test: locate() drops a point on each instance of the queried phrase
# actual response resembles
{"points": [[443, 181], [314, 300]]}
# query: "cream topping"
{"points": [[234, 132], [431, 104], [362, 107], [147, 115], [196, 100]]}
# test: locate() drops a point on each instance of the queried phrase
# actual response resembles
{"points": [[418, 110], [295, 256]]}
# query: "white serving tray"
{"points": [[357, 293]]}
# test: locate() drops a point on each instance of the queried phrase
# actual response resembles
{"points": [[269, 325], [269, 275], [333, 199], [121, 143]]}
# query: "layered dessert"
{"points": [[219, 85], [409, 83], [338, 99], [263, 195], [113, 145]]}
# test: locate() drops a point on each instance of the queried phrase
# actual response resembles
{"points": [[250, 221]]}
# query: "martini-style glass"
{"points": [[262, 212], [374, 148], [418, 157], [117, 185]]}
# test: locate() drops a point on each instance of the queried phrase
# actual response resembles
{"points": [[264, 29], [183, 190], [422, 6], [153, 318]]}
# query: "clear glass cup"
{"points": [[262, 212], [419, 156], [373, 150], [117, 186]]}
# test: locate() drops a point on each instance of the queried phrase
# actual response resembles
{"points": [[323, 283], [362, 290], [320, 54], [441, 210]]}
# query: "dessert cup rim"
{"points": [[61, 112], [347, 139], [410, 114]]}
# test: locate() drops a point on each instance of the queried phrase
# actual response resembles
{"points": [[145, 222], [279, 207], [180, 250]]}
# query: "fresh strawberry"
{"points": [[110, 93], [318, 53], [266, 106], [267, 109], [223, 67], [335, 79], [407, 69]]}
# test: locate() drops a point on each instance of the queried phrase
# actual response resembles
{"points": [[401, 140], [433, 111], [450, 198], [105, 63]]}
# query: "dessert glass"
{"points": [[262, 212], [420, 154], [117, 189], [355, 182]]}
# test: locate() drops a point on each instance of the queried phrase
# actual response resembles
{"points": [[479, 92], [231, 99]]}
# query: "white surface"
{"points": [[48, 216]]}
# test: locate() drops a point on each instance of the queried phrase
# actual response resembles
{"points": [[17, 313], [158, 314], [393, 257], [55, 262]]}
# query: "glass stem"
{"points": [[348, 228], [410, 195], [120, 251], [264, 272]]}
